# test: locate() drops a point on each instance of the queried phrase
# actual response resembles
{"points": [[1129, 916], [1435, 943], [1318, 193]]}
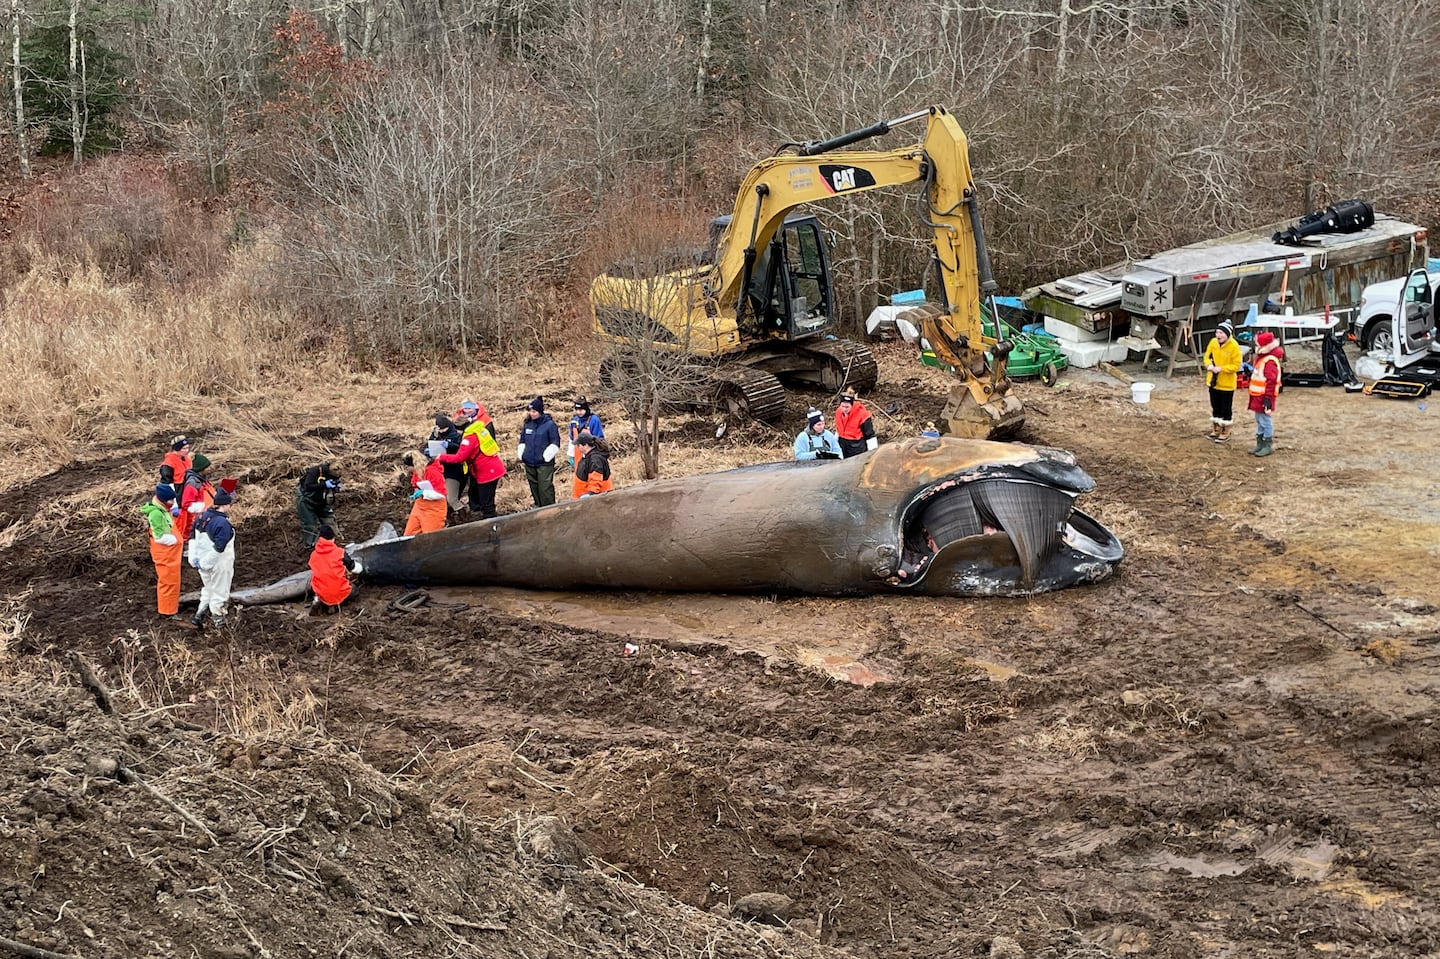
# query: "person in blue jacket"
{"points": [[539, 445], [212, 552], [583, 421], [815, 442]]}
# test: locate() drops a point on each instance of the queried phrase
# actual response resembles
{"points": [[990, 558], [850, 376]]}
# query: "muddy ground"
{"points": [[1227, 750]]}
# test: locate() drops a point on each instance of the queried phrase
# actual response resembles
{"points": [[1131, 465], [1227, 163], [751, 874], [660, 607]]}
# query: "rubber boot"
{"points": [[219, 622], [1265, 447], [1259, 441], [198, 620]]}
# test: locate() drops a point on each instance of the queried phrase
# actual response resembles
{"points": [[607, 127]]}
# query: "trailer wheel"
{"points": [[1050, 374]]}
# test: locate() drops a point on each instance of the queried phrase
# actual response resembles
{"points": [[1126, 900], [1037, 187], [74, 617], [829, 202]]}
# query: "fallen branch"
{"points": [[1323, 621], [467, 924], [408, 918], [91, 681], [30, 952], [127, 775]]}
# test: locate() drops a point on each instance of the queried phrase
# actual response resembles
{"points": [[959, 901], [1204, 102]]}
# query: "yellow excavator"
{"points": [[761, 306]]}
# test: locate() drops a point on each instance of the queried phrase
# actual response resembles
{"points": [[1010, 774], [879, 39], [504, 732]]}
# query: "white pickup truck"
{"points": [[1372, 325]]}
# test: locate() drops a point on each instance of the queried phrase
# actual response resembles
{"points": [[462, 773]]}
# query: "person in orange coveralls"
{"points": [[428, 479], [329, 577], [165, 548]]}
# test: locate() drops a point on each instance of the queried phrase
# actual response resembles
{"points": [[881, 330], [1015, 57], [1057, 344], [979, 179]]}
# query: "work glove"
{"points": [[1267, 404], [520, 452], [550, 453], [167, 540], [872, 443]]}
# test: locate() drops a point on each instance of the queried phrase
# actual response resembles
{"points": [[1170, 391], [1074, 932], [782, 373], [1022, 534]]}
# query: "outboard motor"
{"points": [[1347, 216]]}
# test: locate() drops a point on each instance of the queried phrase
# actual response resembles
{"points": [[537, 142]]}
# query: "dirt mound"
{"points": [[134, 835]]}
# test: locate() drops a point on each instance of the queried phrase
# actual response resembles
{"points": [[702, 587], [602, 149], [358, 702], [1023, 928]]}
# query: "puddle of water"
{"points": [[1195, 866], [996, 672], [842, 668]]}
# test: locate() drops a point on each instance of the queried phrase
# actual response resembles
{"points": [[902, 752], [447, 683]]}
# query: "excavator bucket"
{"points": [[1000, 418]]}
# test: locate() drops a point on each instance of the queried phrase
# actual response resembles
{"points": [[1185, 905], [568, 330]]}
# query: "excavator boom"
{"points": [[982, 405]]}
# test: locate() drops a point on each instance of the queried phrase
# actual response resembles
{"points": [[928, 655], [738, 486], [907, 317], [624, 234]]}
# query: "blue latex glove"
{"points": [[415, 495], [331, 485], [174, 510]]}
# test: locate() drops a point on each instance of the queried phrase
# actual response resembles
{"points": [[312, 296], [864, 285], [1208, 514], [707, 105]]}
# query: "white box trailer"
{"points": [[1203, 283]]}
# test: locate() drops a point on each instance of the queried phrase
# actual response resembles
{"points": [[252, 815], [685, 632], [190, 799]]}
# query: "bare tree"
{"points": [[625, 69], [432, 212], [204, 89], [642, 313], [22, 147]]}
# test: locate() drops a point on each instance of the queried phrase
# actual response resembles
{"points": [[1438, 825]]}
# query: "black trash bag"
{"points": [[1336, 364]]}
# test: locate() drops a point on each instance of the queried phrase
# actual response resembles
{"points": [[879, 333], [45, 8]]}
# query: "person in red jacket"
{"points": [[196, 496], [329, 572], [427, 479], [853, 426], [1264, 388], [481, 456]]}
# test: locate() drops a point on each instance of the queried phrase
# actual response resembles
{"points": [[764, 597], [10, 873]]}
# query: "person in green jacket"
{"points": [[1222, 363]]}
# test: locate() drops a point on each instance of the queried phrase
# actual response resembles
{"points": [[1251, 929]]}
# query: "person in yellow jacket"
{"points": [[1222, 363]]}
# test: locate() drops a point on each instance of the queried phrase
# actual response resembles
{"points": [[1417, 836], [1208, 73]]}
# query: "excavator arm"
{"points": [[982, 405]]}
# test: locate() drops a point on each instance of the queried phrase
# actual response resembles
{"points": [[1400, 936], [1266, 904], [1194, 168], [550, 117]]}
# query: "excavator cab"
{"points": [[790, 296]]}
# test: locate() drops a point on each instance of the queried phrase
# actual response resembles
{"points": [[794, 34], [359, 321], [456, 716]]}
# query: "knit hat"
{"points": [[538, 404], [848, 396], [813, 417], [223, 498], [179, 443], [200, 463], [164, 493], [584, 439], [1225, 328], [470, 407], [1265, 341], [443, 422], [326, 531]]}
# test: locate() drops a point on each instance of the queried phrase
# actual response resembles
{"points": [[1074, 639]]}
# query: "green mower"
{"points": [[1034, 354]]}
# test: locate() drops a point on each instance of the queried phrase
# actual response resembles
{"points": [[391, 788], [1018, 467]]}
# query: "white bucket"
{"points": [[1140, 392]]}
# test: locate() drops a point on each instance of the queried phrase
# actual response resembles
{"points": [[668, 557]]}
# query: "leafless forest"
{"points": [[440, 175]]}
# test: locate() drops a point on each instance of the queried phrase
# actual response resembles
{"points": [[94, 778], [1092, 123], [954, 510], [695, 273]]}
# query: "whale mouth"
{"points": [[1005, 530]]}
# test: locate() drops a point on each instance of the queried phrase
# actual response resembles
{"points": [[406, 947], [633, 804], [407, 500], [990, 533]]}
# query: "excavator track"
{"points": [[842, 364], [743, 392]]}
